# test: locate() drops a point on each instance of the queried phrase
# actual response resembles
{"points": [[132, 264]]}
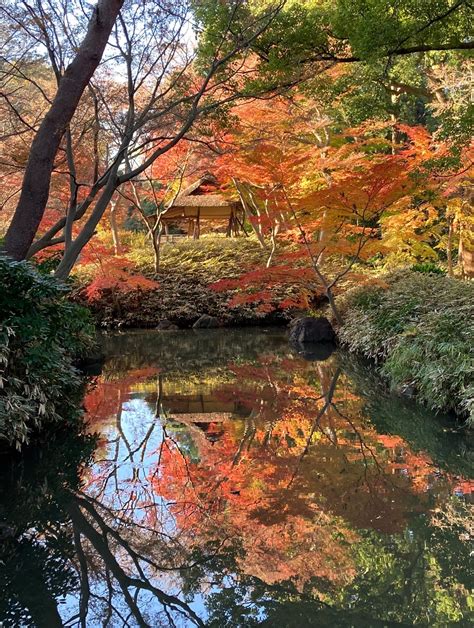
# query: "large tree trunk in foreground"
{"points": [[36, 182]]}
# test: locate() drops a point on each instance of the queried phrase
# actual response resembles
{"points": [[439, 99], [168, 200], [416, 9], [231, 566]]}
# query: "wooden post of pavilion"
{"points": [[197, 226]]}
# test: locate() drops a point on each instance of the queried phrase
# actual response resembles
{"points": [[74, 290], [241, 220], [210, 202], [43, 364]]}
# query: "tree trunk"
{"points": [[248, 214], [156, 241], [197, 226], [37, 178], [466, 259], [114, 227], [71, 255], [449, 248]]}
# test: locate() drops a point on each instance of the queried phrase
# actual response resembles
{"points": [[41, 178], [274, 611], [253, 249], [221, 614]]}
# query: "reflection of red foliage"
{"points": [[105, 396], [465, 488], [247, 499]]}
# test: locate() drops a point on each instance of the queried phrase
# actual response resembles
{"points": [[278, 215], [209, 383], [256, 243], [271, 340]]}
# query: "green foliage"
{"points": [[428, 268], [41, 333], [420, 328], [389, 66], [426, 566], [48, 264], [448, 447], [405, 23]]}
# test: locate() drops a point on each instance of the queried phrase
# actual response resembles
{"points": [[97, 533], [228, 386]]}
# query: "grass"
{"points": [[419, 328]]}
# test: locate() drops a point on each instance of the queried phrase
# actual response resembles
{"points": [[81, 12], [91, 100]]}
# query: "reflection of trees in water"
{"points": [[189, 351], [59, 540], [36, 547], [440, 437], [260, 515]]}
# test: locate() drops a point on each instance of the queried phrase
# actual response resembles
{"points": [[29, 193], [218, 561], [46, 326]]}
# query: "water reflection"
{"points": [[234, 483]]}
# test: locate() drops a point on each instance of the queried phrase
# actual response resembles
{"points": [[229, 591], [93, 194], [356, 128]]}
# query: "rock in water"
{"points": [[166, 325], [206, 322], [308, 329]]}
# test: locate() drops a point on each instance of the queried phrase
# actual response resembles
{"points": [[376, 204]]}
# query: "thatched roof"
{"points": [[203, 417], [194, 187], [195, 201], [206, 200]]}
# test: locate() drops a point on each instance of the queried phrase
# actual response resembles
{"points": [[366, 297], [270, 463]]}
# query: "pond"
{"points": [[223, 479]]}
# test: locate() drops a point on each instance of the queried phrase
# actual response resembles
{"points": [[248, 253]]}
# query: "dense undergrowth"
{"points": [[419, 328], [188, 269], [209, 258], [41, 334]]}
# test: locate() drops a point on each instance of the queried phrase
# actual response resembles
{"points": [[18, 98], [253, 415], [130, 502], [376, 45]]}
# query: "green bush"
{"points": [[428, 268], [41, 333], [420, 329]]}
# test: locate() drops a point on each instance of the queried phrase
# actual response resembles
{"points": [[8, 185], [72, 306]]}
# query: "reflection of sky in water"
{"points": [[124, 478], [133, 444]]}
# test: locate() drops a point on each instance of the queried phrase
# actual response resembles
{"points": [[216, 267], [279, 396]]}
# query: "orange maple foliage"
{"points": [[111, 273], [321, 197]]}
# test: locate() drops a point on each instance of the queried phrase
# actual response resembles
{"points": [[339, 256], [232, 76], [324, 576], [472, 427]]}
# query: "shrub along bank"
{"points": [[41, 333], [419, 328]]}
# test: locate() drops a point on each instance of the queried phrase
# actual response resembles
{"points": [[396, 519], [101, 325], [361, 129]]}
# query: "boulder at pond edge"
{"points": [[310, 330], [206, 322]]}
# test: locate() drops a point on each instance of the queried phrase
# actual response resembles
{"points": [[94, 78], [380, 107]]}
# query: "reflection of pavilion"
{"points": [[196, 404], [206, 408], [201, 414]]}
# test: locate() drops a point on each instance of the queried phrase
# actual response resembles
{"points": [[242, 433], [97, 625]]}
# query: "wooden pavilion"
{"points": [[203, 201]]}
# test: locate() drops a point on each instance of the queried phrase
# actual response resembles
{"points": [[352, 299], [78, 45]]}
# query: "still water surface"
{"points": [[226, 480]]}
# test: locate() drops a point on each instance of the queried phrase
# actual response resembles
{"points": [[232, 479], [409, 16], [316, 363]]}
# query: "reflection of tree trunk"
{"points": [[246, 440], [326, 381], [100, 543], [82, 526], [159, 396], [328, 394], [84, 577]]}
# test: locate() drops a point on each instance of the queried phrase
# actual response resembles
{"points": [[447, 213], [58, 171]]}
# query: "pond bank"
{"points": [[416, 328], [181, 300], [419, 330], [188, 272]]}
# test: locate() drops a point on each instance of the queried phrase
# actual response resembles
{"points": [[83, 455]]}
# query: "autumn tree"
{"points": [[72, 81], [155, 191], [161, 86], [324, 195]]}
